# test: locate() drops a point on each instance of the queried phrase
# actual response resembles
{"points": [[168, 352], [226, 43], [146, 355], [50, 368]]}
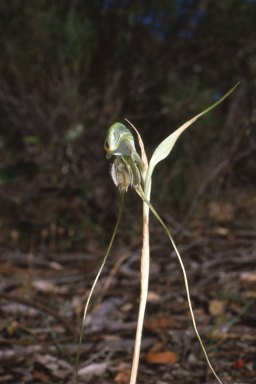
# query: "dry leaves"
{"points": [[158, 355]]}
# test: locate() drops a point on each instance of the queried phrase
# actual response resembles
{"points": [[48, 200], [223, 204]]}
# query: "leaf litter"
{"points": [[41, 309]]}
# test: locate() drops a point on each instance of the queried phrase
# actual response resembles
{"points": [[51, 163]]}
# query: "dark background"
{"points": [[70, 69]]}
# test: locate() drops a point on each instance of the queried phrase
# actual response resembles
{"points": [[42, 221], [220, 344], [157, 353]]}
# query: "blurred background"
{"points": [[70, 69]]}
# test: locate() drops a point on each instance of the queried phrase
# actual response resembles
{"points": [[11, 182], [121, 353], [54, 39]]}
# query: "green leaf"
{"points": [[163, 150]]}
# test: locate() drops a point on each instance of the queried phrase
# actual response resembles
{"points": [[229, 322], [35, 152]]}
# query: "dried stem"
{"points": [[145, 200], [145, 261]]}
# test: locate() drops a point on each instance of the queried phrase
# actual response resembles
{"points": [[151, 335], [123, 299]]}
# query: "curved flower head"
{"points": [[126, 169], [120, 141]]}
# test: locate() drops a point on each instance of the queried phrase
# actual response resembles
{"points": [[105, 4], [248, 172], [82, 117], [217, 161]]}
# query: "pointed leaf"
{"points": [[163, 150]]}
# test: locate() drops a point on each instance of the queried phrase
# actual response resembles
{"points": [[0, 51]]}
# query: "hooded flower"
{"points": [[124, 170], [120, 141]]}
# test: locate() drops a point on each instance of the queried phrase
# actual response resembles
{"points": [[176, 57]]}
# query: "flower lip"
{"points": [[122, 174]]}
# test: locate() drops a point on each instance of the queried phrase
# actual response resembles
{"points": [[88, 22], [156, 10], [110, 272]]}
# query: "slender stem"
{"points": [[145, 261], [145, 200], [96, 279]]}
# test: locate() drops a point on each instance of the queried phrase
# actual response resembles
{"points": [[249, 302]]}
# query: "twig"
{"points": [[110, 277], [30, 342], [39, 306]]}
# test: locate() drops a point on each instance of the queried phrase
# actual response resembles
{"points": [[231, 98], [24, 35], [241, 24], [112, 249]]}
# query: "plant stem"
{"points": [[146, 200], [144, 269]]}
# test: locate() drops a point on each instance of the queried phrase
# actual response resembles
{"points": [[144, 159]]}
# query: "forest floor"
{"points": [[43, 293]]}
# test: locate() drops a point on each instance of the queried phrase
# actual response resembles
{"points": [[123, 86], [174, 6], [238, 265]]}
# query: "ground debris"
{"points": [[54, 366], [41, 314]]}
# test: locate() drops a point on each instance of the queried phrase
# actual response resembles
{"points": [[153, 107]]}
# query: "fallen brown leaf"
{"points": [[155, 357], [238, 363]]}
